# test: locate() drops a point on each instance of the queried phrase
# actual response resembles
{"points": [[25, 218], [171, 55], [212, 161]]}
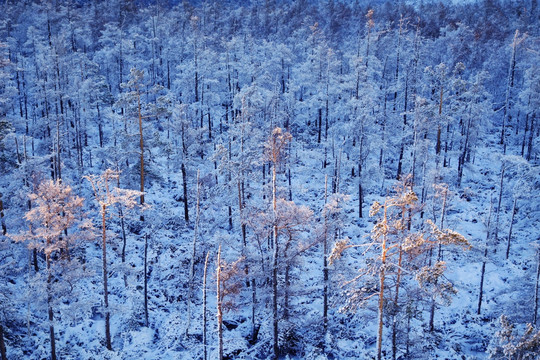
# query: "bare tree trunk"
{"points": [[463, 156], [326, 102], [254, 327], [438, 144], [58, 161], [3, 354], [277, 143], [319, 126], [240, 185], [325, 263], [360, 198], [51, 332], [105, 279], [290, 182], [511, 227], [146, 279], [196, 78], [100, 128], [370, 24], [395, 307], [396, 79], [2, 221], [360, 167], [509, 85], [50, 310], [209, 126], [34, 251], [287, 286], [275, 346], [193, 254], [382, 275], [501, 183], [526, 129], [408, 338], [432, 315], [141, 144], [205, 340], [123, 227], [400, 160], [184, 186], [481, 291], [439, 257], [219, 306], [124, 240], [264, 179], [536, 291], [384, 117], [447, 142], [35, 260], [380, 307], [230, 217], [531, 137], [415, 99], [404, 220]]}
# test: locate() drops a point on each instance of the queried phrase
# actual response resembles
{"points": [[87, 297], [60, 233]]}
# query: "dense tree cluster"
{"points": [[247, 140]]}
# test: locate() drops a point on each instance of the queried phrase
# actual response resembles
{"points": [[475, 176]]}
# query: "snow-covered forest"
{"points": [[269, 179]]}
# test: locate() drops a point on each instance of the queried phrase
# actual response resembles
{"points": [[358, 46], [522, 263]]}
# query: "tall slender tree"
{"points": [[275, 152], [106, 194], [56, 211], [391, 235]]}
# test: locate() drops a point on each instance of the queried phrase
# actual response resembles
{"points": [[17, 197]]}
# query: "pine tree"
{"points": [[508, 343], [393, 237], [536, 288], [333, 221], [228, 285], [135, 105], [107, 195], [58, 227], [191, 277], [275, 151]]}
